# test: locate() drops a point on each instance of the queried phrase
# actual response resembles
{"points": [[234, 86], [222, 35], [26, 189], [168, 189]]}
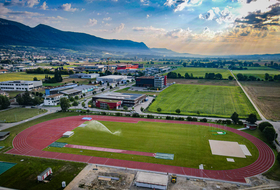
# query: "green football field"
{"points": [[188, 143], [219, 101], [200, 72]]}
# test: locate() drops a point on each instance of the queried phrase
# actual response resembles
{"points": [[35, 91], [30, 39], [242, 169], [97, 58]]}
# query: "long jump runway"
{"points": [[33, 140]]}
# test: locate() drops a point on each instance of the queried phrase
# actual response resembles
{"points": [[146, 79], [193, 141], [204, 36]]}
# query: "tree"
{"points": [[125, 107], [230, 77], [4, 102], [219, 76], [64, 104], [75, 103], [263, 125], [76, 97], [83, 104], [35, 79], [36, 100], [234, 117], [102, 89], [252, 118], [108, 107], [159, 110], [278, 157], [100, 83], [142, 109], [270, 133], [198, 112], [178, 111], [111, 87], [71, 99]]}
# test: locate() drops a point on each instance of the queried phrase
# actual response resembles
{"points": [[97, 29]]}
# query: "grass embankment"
{"points": [[257, 72], [19, 114], [217, 101], [200, 72], [188, 143], [23, 175]]}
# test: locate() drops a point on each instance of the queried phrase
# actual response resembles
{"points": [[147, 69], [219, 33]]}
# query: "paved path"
{"points": [[32, 140]]}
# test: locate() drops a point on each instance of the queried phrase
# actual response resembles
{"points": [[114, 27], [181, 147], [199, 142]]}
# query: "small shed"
{"points": [[251, 126], [4, 135], [151, 180], [68, 134], [44, 174]]}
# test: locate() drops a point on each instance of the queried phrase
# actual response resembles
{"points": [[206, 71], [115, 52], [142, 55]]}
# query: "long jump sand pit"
{"points": [[226, 148]]}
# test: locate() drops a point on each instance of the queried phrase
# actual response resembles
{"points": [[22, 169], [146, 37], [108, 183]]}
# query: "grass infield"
{"points": [[217, 101], [188, 143]]}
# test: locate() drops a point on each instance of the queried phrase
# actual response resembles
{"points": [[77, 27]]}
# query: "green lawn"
{"points": [[19, 114], [219, 101], [257, 72], [200, 72], [188, 143]]}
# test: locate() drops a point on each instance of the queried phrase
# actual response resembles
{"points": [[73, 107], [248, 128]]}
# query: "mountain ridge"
{"points": [[15, 33]]}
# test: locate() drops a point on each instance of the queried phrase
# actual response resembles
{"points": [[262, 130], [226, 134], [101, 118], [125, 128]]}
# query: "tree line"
{"points": [[268, 77], [48, 71], [212, 76]]}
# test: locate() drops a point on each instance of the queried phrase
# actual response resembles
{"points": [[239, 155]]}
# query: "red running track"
{"points": [[31, 141], [110, 150]]}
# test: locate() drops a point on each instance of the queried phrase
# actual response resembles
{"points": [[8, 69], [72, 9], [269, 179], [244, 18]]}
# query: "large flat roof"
{"points": [[119, 96], [70, 91]]}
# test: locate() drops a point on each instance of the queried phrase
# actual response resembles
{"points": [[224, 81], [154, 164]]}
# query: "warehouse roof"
{"points": [[70, 91]]}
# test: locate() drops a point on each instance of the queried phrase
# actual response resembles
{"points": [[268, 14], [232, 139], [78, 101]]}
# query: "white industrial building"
{"points": [[53, 100], [151, 180], [84, 75], [20, 85], [113, 78]]}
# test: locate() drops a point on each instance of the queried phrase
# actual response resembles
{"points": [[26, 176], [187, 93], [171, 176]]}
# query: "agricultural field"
{"points": [[258, 72], [188, 143], [200, 72], [266, 95], [204, 82], [20, 76], [19, 114], [217, 101]]}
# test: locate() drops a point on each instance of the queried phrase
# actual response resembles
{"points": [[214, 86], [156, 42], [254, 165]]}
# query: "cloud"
{"points": [[107, 19], [44, 6], [119, 28], [147, 16], [145, 2], [179, 5], [220, 16], [92, 22], [3, 10], [28, 3], [148, 29], [67, 7]]}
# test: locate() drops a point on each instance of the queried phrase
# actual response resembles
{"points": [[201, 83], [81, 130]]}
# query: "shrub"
{"points": [[135, 115], [263, 125], [179, 118], [118, 114], [150, 116], [240, 123], [278, 157], [219, 121], [103, 113], [189, 118], [194, 119], [228, 121], [203, 120], [269, 133]]}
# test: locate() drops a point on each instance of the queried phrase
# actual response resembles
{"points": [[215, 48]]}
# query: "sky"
{"points": [[206, 27]]}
